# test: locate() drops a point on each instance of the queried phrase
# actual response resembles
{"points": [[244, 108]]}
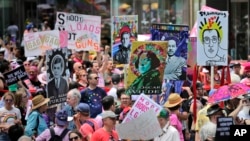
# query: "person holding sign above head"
{"points": [[170, 133], [58, 85]]}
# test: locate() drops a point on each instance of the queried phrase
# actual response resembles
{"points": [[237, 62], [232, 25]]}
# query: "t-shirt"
{"points": [[86, 129], [9, 116], [94, 99], [102, 135], [174, 121]]}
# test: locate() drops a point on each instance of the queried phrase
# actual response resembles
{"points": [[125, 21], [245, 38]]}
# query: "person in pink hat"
{"points": [[173, 104]]}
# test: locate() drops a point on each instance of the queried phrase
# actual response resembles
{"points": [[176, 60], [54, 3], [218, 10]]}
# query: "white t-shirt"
{"points": [[9, 116]]}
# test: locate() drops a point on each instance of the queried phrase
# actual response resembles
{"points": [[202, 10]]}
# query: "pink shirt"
{"points": [[245, 81], [174, 121], [45, 135]]}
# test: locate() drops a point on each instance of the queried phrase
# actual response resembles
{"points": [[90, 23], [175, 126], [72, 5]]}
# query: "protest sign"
{"points": [[57, 77], [84, 31], [223, 128], [212, 38], [144, 127], [142, 104], [146, 67], [37, 43], [15, 75]]}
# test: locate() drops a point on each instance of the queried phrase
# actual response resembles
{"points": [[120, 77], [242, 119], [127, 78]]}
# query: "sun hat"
{"points": [[108, 114], [163, 114], [83, 107], [42, 77], [61, 118], [213, 109], [39, 101], [174, 99]]}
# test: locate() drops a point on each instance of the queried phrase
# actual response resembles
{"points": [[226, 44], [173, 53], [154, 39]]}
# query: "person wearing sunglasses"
{"points": [[93, 95], [9, 115], [75, 136]]}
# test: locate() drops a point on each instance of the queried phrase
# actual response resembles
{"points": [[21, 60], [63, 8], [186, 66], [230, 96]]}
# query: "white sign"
{"points": [[212, 38], [84, 31], [145, 127], [37, 43], [141, 105]]}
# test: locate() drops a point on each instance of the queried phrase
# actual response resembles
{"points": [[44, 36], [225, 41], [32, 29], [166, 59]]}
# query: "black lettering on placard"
{"points": [[61, 19], [239, 132], [223, 128], [72, 36], [15, 75]]}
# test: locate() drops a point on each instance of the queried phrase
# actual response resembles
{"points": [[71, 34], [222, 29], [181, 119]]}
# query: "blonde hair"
{"points": [[9, 94], [19, 97]]}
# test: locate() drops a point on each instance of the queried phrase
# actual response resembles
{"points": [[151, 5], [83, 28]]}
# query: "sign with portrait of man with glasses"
{"points": [[212, 39]]}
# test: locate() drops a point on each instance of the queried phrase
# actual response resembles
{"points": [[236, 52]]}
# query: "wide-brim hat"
{"points": [[39, 101], [42, 77], [174, 99], [213, 109]]}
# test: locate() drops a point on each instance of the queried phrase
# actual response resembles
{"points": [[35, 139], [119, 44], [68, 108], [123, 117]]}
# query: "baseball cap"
{"points": [[83, 107], [108, 114], [62, 118], [163, 114]]}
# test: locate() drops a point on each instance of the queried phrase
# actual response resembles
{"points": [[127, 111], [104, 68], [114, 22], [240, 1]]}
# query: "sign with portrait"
{"points": [[15, 75], [177, 37], [37, 43], [146, 66], [84, 31], [212, 40], [124, 30], [57, 75]]}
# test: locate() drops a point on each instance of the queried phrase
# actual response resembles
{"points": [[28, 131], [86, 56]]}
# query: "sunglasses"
{"points": [[96, 78], [26, 64], [8, 100], [73, 138]]}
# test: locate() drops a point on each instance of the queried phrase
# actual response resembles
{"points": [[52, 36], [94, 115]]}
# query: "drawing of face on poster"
{"points": [[212, 43], [57, 86]]}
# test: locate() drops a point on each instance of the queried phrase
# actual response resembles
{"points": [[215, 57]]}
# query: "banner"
{"points": [[141, 105], [57, 76], [177, 37], [15, 75], [144, 127], [84, 31], [124, 30], [37, 43], [212, 38], [145, 70]]}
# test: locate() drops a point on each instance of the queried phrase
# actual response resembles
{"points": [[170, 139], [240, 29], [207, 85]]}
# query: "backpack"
{"points": [[55, 137]]}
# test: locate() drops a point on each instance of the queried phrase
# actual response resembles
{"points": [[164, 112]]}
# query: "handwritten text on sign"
{"points": [[142, 104], [84, 31]]}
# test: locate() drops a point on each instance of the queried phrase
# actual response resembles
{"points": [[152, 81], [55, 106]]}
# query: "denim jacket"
{"points": [[70, 113], [33, 122]]}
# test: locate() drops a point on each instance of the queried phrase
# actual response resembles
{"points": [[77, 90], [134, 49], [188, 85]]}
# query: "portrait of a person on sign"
{"points": [[149, 76], [122, 55], [57, 85], [175, 68]]}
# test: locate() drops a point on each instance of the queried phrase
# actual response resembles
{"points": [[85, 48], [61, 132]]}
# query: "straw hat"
{"points": [[39, 101], [174, 99]]}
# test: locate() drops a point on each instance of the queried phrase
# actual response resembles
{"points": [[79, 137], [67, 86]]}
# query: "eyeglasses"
{"points": [[207, 40], [8, 100], [73, 138], [96, 78]]}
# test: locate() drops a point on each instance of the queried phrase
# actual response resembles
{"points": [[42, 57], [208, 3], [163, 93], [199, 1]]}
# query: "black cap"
{"points": [[213, 109], [115, 78]]}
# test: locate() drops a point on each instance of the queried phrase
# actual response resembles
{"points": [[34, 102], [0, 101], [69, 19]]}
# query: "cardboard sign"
{"points": [[84, 31], [142, 104], [212, 38], [15, 75], [37, 43], [145, 127], [223, 128]]}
